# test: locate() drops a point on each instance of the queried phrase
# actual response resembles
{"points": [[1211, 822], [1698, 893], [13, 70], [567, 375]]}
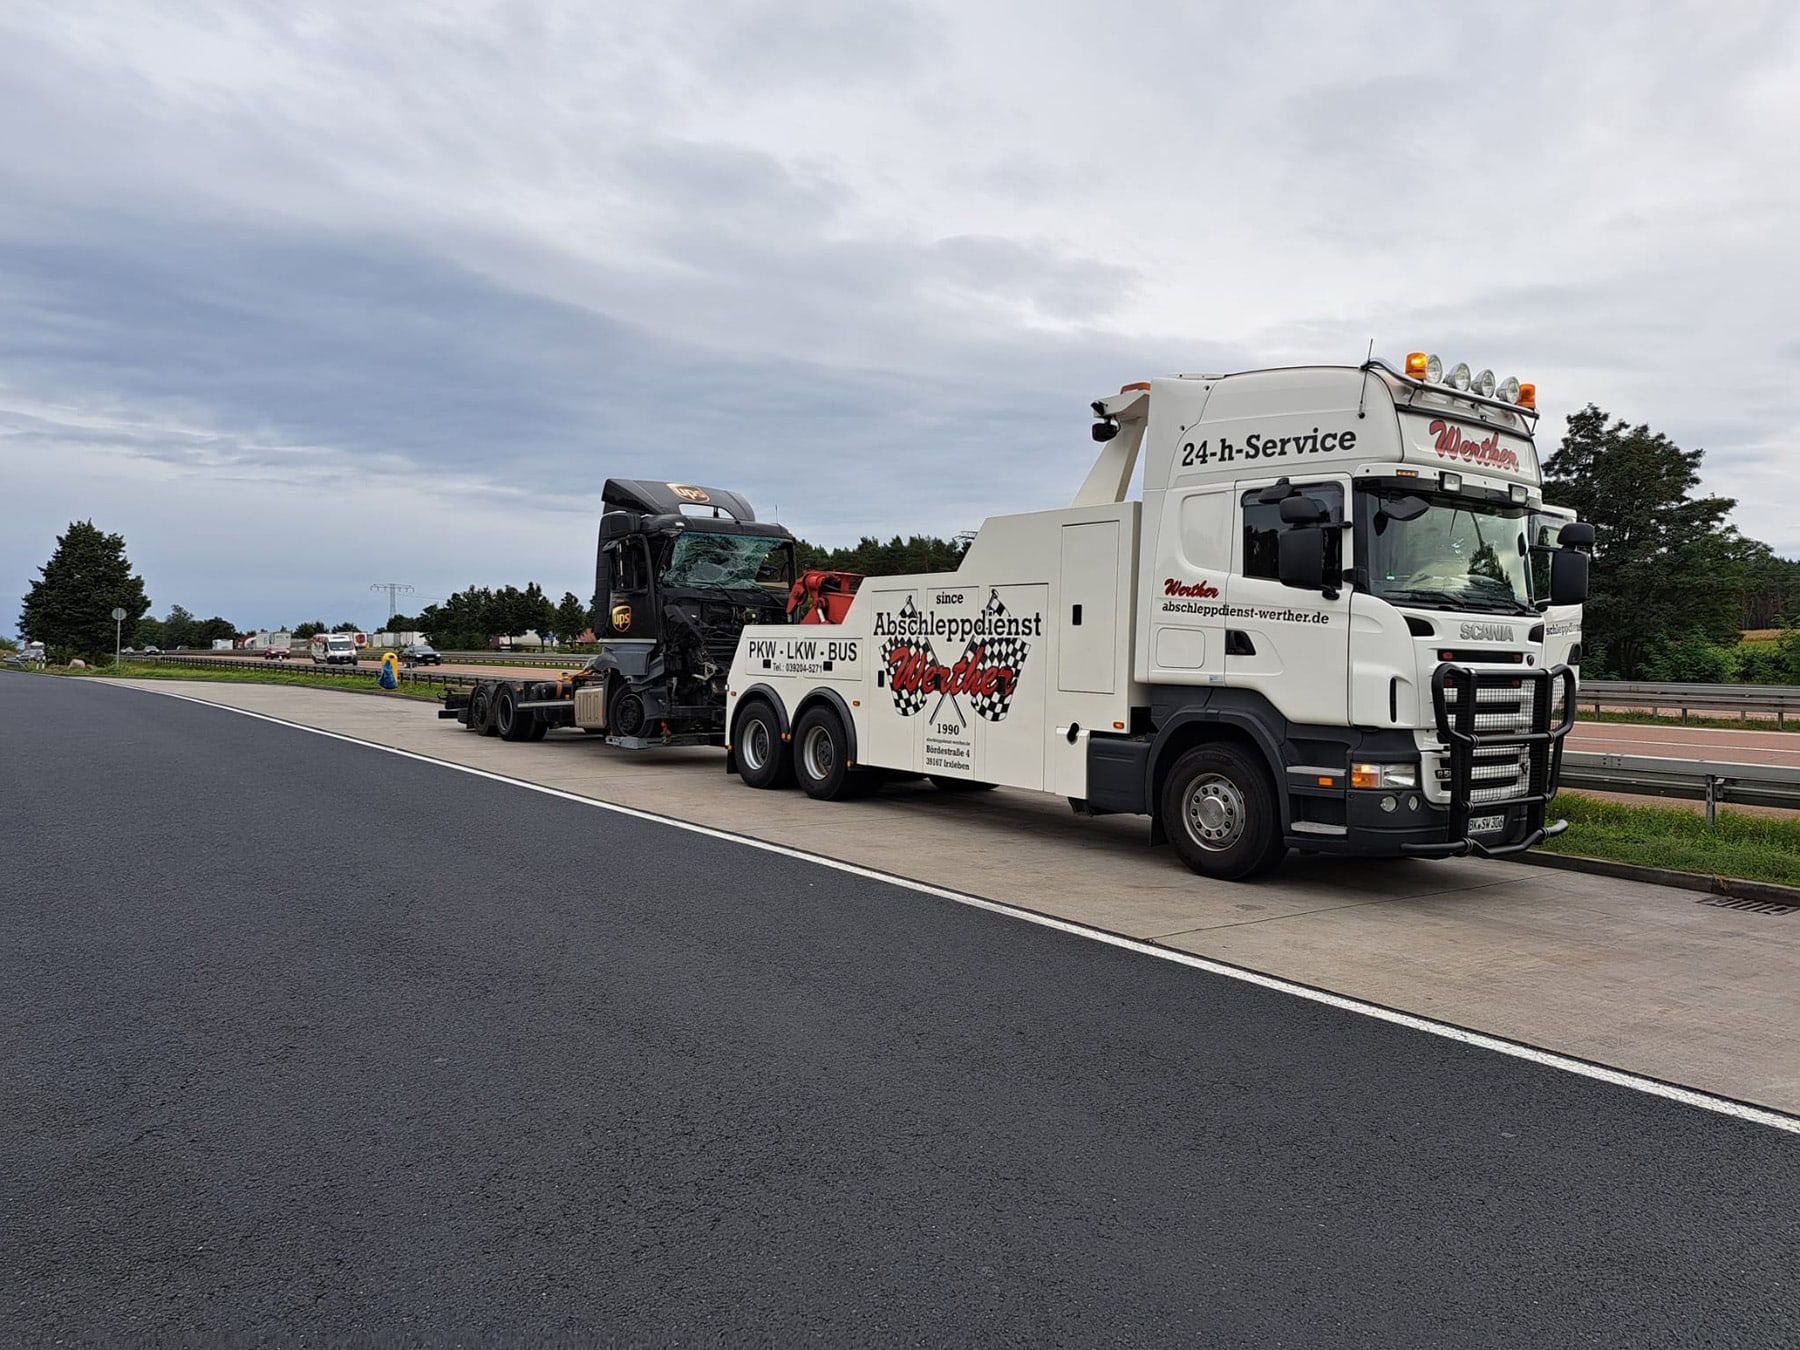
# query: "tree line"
{"points": [[1674, 584]]}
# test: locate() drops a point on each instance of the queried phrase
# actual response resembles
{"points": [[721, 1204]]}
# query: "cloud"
{"points": [[454, 264]]}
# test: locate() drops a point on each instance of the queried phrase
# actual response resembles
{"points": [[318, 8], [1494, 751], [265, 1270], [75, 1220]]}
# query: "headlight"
{"points": [[1484, 384], [1509, 389], [1459, 376], [1384, 775], [1434, 368]]}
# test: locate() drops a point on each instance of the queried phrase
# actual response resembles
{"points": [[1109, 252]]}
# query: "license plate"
{"points": [[1487, 824]]}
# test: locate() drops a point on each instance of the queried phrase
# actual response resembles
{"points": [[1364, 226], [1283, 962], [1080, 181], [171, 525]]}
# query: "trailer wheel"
{"points": [[762, 760], [944, 783], [481, 709], [1220, 813], [512, 724], [822, 757]]}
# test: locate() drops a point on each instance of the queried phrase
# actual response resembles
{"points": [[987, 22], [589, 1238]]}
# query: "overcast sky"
{"points": [[300, 297]]}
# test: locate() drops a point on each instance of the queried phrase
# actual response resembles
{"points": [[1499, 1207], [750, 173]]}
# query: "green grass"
{"points": [[364, 680], [1722, 723], [1747, 846]]}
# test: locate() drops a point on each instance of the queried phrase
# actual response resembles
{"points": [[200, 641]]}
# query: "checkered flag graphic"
{"points": [[1008, 653], [906, 701]]}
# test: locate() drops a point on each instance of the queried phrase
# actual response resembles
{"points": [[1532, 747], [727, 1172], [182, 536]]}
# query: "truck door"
{"points": [[1087, 620], [1292, 645]]}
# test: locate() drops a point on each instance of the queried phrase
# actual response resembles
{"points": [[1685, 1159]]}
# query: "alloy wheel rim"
{"points": [[756, 744], [1214, 812], [821, 756]]}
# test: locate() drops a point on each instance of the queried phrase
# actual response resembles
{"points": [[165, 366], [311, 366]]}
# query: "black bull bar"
{"points": [[1539, 743]]}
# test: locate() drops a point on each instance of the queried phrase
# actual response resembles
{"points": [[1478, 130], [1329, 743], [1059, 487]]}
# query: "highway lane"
{"points": [[398, 1085]]}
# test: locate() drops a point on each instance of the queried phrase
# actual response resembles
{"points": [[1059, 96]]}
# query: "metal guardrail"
{"points": [[303, 666], [1687, 779], [1741, 699]]}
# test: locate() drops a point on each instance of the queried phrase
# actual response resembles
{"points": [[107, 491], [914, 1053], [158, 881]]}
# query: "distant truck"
{"points": [[334, 649]]}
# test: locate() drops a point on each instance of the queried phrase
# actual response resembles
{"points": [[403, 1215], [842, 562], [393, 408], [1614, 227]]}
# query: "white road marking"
{"points": [[1655, 1087]]}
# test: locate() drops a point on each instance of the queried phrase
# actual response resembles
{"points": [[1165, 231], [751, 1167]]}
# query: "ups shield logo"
{"points": [[621, 618], [690, 494]]}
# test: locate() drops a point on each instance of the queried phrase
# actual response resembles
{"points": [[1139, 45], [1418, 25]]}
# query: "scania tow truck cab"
{"points": [[1337, 620]]}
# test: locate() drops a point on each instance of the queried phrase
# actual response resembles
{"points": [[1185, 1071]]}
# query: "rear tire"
{"points": [[1220, 813], [763, 759], [822, 757], [481, 709], [512, 723]]}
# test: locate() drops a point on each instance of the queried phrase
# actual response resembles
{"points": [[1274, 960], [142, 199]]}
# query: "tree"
{"points": [[71, 603], [573, 618], [872, 558], [216, 629], [1666, 565], [303, 631], [178, 628]]}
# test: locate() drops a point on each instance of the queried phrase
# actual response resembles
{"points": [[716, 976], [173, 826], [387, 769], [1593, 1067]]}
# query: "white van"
{"points": [[333, 649]]}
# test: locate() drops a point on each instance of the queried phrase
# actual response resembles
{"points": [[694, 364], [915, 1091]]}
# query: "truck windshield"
{"points": [[1458, 553], [724, 561]]}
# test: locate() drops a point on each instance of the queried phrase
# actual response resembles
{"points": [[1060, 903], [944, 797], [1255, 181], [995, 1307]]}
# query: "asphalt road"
{"points": [[508, 1067]]}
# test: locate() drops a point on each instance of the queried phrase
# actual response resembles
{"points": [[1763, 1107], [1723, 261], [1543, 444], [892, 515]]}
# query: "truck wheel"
{"points": [[512, 724], [822, 757], [1219, 811], [626, 714], [481, 708], [762, 760], [539, 728], [944, 783]]}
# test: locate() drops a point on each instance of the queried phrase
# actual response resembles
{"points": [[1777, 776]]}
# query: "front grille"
{"points": [[1504, 732]]}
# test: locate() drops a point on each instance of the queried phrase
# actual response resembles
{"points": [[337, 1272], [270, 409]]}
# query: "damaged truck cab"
{"points": [[679, 571]]}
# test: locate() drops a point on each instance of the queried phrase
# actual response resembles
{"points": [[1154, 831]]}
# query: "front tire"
{"points": [[763, 761], [1220, 813], [822, 757]]}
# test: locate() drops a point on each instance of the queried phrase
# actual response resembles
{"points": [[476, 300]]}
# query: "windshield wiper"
{"points": [[1481, 604]]}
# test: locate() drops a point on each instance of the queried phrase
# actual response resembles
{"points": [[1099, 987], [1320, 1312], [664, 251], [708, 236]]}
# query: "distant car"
{"points": [[420, 654], [153, 651], [277, 652]]}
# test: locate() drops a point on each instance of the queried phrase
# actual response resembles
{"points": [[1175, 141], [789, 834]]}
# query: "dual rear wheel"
{"points": [[819, 756]]}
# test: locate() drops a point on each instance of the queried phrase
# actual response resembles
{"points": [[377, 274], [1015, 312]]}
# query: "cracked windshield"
{"points": [[727, 561]]}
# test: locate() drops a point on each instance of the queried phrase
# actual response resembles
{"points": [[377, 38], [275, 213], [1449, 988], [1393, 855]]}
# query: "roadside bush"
{"points": [[1693, 660]]}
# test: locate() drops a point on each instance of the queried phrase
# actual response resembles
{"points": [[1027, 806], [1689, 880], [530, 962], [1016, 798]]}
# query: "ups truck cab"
{"points": [[1340, 619], [679, 571]]}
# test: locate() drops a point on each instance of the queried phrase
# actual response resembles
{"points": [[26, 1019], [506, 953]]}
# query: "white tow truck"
{"points": [[1340, 619]]}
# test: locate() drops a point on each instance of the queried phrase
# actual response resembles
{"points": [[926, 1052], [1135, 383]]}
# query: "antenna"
{"points": [[393, 589], [1364, 397]]}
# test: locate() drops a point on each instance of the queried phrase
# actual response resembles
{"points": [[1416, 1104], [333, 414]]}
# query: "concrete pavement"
{"points": [[1639, 977]]}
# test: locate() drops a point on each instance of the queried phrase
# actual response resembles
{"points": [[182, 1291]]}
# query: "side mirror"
{"points": [[1569, 573], [1300, 557], [1576, 534]]}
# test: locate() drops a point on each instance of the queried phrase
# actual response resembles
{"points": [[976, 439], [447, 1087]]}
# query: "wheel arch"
{"points": [[1211, 726]]}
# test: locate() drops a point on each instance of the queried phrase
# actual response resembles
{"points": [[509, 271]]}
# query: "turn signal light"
{"points": [[1127, 388], [1365, 776]]}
